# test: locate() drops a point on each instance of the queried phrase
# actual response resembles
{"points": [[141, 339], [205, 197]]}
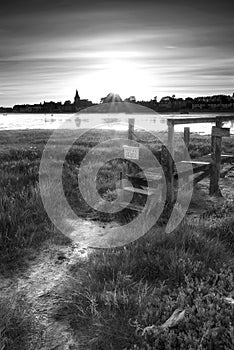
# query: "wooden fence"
{"points": [[210, 166]]}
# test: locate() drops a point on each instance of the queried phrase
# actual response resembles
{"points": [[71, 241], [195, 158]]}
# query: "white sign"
{"points": [[131, 152]]}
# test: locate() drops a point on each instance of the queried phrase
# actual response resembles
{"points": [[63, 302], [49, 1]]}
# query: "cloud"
{"points": [[49, 47]]}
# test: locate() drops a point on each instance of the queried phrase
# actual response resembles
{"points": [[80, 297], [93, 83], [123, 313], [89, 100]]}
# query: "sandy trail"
{"points": [[39, 283]]}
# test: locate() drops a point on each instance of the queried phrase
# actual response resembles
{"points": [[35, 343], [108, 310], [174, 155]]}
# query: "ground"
{"points": [[48, 273]]}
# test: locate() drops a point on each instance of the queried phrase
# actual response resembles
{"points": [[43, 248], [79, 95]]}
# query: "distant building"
{"points": [[172, 103], [166, 102], [216, 102], [188, 102], [77, 99], [68, 107], [80, 103], [130, 99], [52, 107]]}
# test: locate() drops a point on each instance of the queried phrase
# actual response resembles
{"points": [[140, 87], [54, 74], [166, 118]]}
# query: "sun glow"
{"points": [[124, 77]]}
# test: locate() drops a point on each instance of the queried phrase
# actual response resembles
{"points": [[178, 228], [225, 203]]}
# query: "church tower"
{"points": [[77, 99]]}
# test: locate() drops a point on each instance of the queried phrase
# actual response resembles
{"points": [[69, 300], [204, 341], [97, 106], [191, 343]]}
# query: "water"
{"points": [[149, 122]]}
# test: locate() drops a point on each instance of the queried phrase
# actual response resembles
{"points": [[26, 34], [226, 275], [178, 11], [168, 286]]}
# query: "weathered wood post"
{"points": [[186, 143], [131, 122], [170, 189], [168, 162], [216, 147], [186, 136]]}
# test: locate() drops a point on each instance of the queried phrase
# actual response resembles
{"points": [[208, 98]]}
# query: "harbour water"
{"points": [[150, 122]]}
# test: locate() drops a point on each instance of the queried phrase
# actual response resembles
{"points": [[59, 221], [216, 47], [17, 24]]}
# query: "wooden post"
{"points": [[186, 142], [216, 147], [168, 163], [131, 122], [186, 136], [130, 165], [121, 179], [170, 186]]}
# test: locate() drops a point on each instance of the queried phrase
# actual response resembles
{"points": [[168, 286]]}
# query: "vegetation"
{"points": [[19, 330], [116, 294], [110, 298]]}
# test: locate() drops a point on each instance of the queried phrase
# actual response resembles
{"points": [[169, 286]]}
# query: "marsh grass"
{"points": [[116, 293], [24, 222], [111, 297], [19, 329]]}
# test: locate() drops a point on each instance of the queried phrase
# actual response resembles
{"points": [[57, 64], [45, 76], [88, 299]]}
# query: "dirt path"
{"points": [[39, 283], [41, 280]]}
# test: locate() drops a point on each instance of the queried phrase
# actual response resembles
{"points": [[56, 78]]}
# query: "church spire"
{"points": [[76, 98]]}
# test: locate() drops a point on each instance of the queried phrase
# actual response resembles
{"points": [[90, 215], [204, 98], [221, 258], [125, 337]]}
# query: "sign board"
{"points": [[220, 132], [131, 152]]}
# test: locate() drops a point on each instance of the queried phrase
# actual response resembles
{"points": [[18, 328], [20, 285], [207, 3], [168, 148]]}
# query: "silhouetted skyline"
{"points": [[167, 103], [146, 49]]}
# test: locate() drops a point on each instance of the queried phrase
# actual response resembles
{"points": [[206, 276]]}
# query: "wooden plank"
{"points": [[226, 170], [199, 119], [225, 155], [220, 132], [202, 176], [196, 162], [183, 170], [191, 120], [226, 117], [151, 173], [131, 206], [225, 158], [153, 176], [142, 176], [187, 171], [147, 191]]}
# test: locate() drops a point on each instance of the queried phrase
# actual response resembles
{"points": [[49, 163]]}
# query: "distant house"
{"points": [[52, 107], [172, 103], [166, 102], [179, 103], [188, 102], [199, 103], [130, 99], [216, 102], [68, 107], [22, 109], [36, 108]]}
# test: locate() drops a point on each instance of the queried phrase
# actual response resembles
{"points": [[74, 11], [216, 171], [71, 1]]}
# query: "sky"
{"points": [[48, 49]]}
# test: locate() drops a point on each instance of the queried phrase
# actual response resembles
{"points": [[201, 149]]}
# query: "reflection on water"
{"points": [[150, 122]]}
